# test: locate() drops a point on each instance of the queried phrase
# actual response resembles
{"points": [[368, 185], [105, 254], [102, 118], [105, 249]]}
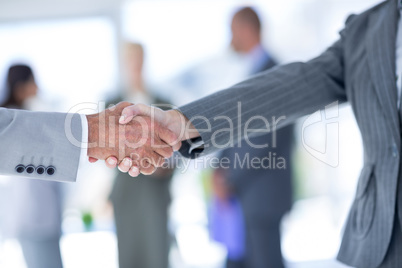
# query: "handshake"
{"points": [[136, 138]]}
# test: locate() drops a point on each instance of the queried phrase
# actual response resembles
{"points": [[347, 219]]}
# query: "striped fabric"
{"points": [[360, 69]]}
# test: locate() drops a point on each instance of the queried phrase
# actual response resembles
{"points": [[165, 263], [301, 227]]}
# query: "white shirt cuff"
{"points": [[196, 145], [84, 140]]}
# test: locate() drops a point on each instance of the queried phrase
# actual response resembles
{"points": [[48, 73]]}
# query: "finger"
{"points": [[147, 168], [130, 112], [134, 171], [170, 138], [92, 159], [164, 151], [124, 103], [125, 165], [177, 146], [160, 145], [154, 159], [111, 162]]}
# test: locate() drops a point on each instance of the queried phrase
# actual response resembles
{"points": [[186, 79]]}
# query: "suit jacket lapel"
{"points": [[381, 52]]}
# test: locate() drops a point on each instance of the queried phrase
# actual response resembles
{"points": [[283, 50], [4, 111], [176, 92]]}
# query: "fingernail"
{"points": [[127, 162], [122, 119], [134, 172], [111, 161]]}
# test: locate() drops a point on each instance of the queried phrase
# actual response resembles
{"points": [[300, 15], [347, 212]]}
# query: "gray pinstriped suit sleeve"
{"points": [[291, 90], [39, 139], [360, 69]]}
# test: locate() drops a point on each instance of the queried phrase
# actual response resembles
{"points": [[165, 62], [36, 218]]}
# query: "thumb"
{"points": [[130, 112]]}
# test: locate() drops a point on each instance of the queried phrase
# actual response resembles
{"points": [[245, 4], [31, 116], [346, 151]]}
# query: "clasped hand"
{"points": [[138, 144]]}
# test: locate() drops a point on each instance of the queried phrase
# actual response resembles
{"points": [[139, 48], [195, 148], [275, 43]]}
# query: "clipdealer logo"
{"points": [[326, 151]]}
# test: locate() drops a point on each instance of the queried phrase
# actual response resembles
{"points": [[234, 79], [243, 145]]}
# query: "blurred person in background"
{"points": [[141, 204], [35, 206], [263, 195], [226, 220]]}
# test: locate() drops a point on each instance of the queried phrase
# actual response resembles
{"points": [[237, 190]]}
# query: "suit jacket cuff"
{"points": [[84, 143]]}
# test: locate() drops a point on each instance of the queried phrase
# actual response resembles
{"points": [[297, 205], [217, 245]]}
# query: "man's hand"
{"points": [[175, 121], [140, 145]]}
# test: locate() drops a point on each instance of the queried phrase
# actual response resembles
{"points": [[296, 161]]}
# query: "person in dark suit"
{"points": [[363, 67], [265, 194]]}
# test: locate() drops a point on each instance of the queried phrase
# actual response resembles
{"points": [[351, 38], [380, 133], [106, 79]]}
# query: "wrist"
{"points": [[93, 134], [186, 129]]}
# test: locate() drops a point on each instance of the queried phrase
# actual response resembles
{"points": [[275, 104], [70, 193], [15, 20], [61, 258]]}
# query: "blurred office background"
{"points": [[75, 49]]}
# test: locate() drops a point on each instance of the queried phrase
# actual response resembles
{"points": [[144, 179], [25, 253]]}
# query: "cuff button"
{"points": [[20, 168], [40, 170], [30, 169], [50, 170]]}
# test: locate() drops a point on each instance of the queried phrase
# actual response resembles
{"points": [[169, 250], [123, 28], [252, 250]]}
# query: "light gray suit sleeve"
{"points": [[40, 145], [291, 91]]}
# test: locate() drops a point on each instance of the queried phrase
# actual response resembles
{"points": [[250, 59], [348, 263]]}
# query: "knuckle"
{"points": [[140, 151], [141, 106], [173, 136], [170, 152], [125, 103]]}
